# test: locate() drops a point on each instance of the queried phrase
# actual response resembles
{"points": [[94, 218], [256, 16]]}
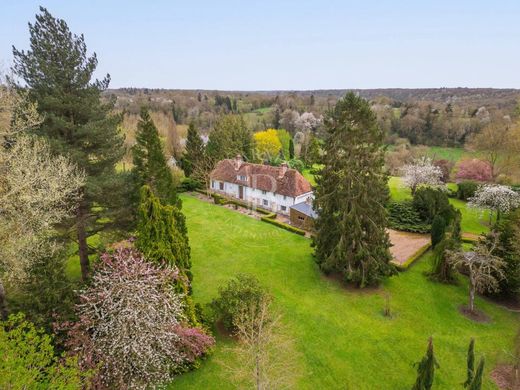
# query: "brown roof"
{"points": [[281, 180]]}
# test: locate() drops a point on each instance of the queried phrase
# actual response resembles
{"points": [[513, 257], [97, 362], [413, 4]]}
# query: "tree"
{"points": [[484, 268], [38, 190], [438, 230], [476, 383], [285, 141], [267, 144], [291, 149], [497, 198], [195, 150], [421, 172], [264, 354], [470, 363], [430, 202], [426, 369], [307, 122], [351, 195], [131, 324], [58, 75], [442, 270], [29, 360], [150, 166], [230, 137], [474, 169]]}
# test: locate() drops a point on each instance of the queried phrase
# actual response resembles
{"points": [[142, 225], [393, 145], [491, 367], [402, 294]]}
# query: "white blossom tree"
{"points": [[485, 270], [132, 325], [421, 171], [307, 122], [497, 198]]}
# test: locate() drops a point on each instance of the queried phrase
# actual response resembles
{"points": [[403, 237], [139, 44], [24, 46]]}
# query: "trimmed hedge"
{"points": [[292, 229], [421, 251], [404, 217], [466, 189]]}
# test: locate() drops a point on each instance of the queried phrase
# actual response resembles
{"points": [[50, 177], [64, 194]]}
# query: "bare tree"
{"points": [[264, 354], [485, 269]]}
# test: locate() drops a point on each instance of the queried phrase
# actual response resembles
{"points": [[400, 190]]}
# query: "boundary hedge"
{"points": [[418, 253]]}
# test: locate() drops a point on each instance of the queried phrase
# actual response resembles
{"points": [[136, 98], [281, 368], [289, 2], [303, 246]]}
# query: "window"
{"points": [[283, 208], [221, 184], [265, 202], [241, 177], [213, 184], [284, 197], [301, 218], [264, 192]]}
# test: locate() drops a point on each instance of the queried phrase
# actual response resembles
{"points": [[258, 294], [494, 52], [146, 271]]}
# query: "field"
{"points": [[342, 338]]}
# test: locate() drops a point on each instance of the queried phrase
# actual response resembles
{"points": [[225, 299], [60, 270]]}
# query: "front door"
{"points": [[240, 192]]}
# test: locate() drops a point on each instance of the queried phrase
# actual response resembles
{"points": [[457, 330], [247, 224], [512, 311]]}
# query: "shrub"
{"points": [[189, 184], [474, 169], [445, 166], [466, 189], [438, 230], [241, 293], [430, 202], [404, 217], [442, 270], [270, 219]]}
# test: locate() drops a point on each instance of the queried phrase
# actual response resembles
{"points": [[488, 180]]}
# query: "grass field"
{"points": [[342, 338]]}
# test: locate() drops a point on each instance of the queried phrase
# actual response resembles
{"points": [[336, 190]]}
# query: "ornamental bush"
{"points": [[403, 216], [241, 293], [466, 189], [438, 230], [430, 202], [474, 169]]}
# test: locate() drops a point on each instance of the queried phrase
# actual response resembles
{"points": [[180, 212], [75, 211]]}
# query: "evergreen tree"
{"points": [[426, 369], [58, 75], [470, 363], [195, 150], [476, 383], [351, 195], [291, 149], [150, 165], [230, 137], [438, 230]]}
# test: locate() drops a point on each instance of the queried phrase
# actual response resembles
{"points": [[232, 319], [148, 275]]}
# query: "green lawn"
{"points": [[473, 221], [343, 340]]}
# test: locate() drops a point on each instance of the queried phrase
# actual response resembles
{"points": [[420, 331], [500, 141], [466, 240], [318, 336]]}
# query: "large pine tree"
{"points": [[231, 136], [58, 74], [150, 165], [351, 194], [195, 150]]}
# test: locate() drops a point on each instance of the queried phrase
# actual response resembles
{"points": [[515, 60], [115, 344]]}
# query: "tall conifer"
{"points": [[195, 150], [351, 194], [58, 75], [426, 369]]}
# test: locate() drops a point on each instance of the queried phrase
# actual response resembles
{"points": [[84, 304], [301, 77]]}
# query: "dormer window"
{"points": [[241, 177]]}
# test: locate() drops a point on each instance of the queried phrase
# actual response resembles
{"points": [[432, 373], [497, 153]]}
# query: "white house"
{"points": [[272, 188]]}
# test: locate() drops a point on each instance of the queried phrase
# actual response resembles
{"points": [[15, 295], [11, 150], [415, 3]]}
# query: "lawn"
{"points": [[474, 221], [342, 338]]}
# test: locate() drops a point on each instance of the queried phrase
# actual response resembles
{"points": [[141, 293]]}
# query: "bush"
{"points": [[189, 184], [466, 189], [270, 219], [404, 217], [442, 271], [445, 166], [240, 294], [430, 202], [474, 169], [438, 230]]}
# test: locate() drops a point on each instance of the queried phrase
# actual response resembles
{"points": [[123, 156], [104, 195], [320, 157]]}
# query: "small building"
{"points": [[302, 215], [265, 186]]}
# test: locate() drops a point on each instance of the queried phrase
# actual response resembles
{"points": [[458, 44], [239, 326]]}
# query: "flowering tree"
{"points": [[307, 122], [474, 169], [497, 198], [421, 172], [131, 324], [485, 269], [267, 144]]}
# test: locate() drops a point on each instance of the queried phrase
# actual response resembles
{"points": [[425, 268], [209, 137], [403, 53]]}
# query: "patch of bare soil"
{"points": [[222, 331], [405, 244], [476, 315], [503, 376]]}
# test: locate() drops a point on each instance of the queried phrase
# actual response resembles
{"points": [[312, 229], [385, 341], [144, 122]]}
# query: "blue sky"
{"points": [[261, 45]]}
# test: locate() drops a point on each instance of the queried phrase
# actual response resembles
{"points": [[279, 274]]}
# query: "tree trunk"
{"points": [[471, 296], [82, 243], [3, 302]]}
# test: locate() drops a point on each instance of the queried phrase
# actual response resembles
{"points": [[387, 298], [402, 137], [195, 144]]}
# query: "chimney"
{"points": [[283, 170], [238, 162]]}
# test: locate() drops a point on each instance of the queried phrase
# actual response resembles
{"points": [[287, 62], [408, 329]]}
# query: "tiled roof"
{"points": [[305, 208], [280, 180]]}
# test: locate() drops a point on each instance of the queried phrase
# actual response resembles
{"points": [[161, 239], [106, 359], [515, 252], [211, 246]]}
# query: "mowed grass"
{"points": [[342, 339], [474, 221]]}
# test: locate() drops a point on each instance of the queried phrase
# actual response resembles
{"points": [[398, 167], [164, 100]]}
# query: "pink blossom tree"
{"points": [[131, 324], [474, 169]]}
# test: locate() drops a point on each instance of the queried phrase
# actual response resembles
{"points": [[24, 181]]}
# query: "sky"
{"points": [[287, 45]]}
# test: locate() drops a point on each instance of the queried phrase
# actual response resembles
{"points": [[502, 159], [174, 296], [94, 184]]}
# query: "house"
{"points": [[265, 186], [302, 215]]}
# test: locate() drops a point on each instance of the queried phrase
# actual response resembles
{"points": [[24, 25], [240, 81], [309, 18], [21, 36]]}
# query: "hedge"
{"points": [[421, 251], [403, 216], [292, 229]]}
